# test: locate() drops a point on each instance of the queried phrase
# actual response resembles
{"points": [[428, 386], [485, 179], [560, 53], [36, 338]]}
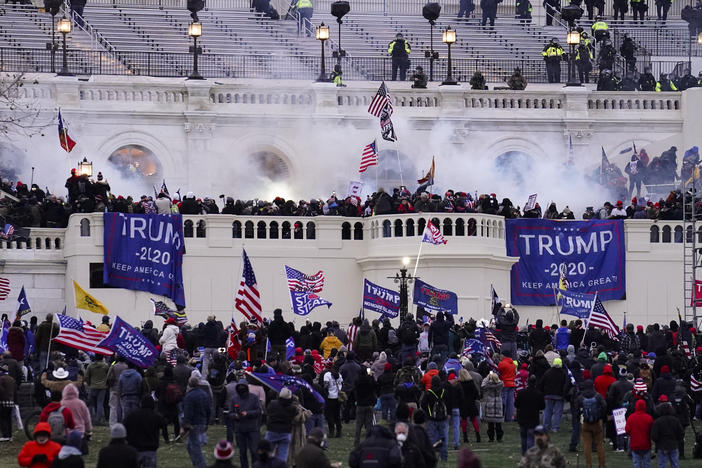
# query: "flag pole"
{"points": [[555, 298], [419, 253], [51, 337], [587, 322], [399, 164]]}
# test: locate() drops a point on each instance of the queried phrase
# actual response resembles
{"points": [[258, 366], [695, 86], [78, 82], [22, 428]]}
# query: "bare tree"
{"points": [[18, 115]]}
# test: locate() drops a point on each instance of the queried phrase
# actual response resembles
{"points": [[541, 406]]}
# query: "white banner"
{"points": [[355, 189], [619, 416]]}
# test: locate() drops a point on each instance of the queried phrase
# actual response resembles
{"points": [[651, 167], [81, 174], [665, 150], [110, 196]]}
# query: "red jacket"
{"points": [[31, 448], [638, 426], [602, 382], [426, 379], [67, 415], [508, 372]]}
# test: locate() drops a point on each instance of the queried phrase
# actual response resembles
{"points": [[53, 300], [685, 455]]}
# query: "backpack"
{"points": [[376, 457], [173, 394], [437, 409], [57, 424], [591, 409]]}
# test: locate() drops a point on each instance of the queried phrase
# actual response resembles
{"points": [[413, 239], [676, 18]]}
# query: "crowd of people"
{"points": [[408, 393], [34, 207]]}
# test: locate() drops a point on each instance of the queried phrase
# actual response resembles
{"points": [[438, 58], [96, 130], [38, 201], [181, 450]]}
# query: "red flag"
{"points": [[233, 343], [64, 139]]}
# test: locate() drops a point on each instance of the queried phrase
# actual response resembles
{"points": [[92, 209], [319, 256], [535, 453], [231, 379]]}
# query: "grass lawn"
{"points": [[492, 455]]}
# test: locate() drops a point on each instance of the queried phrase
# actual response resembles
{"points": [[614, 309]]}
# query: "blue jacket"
{"points": [[562, 338], [130, 384], [196, 408], [249, 404], [453, 364]]}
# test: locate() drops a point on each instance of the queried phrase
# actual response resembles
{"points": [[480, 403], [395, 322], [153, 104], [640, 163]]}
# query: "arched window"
{"points": [[188, 228], [136, 161], [386, 228], [409, 228], [448, 227], [472, 227], [666, 234], [421, 224], [688, 234], [655, 234], [57, 243], [38, 243], [358, 231], [236, 230], [460, 227], [261, 230], [436, 223], [201, 230], [286, 230], [47, 243], [398, 228], [345, 231], [298, 232], [273, 230], [85, 227], [248, 230], [311, 230], [678, 234]]}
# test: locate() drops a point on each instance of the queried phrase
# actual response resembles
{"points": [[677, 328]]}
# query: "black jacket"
{"points": [[118, 455], [528, 403], [380, 448], [143, 426], [555, 382], [666, 430], [71, 461], [312, 456], [365, 390], [280, 414], [278, 331]]}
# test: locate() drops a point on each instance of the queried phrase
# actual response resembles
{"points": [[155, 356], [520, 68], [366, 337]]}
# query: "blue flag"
{"points": [[435, 299], [128, 342], [289, 348], [277, 382], [473, 346], [22, 305], [304, 301], [145, 252], [384, 301], [577, 304], [3, 336]]}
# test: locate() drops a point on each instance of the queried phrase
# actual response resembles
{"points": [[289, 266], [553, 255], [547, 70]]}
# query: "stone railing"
{"points": [[44, 242]]}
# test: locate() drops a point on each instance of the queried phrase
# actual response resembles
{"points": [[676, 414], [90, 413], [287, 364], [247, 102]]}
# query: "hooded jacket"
{"points": [[130, 384], [603, 381], [280, 414], [666, 430], [32, 448], [169, 338], [79, 410], [638, 427], [243, 401]]}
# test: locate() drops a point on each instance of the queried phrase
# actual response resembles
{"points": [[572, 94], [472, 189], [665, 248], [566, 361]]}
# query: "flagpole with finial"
{"points": [[399, 164]]}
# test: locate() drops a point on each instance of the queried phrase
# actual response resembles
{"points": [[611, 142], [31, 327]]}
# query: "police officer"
{"points": [[553, 53], [584, 58], [600, 29], [336, 76], [552, 6], [304, 10], [591, 5], [664, 84], [399, 50], [607, 81], [639, 9], [620, 7], [628, 51], [605, 59], [419, 78], [523, 10], [647, 82]]}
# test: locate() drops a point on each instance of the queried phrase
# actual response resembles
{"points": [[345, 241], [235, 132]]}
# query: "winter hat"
{"points": [[525, 365], [431, 365], [640, 386], [651, 355], [557, 363], [665, 369], [620, 203], [387, 367], [223, 450], [118, 431], [74, 439], [639, 328], [171, 321], [602, 356], [285, 394], [663, 398], [452, 376]]}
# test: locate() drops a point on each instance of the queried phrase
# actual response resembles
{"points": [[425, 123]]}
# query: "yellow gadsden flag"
{"points": [[88, 302]]}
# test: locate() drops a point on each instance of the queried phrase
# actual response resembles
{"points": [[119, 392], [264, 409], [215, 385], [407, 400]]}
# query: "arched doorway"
{"points": [[137, 162], [515, 167], [388, 171]]}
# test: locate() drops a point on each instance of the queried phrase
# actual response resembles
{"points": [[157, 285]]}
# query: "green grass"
{"points": [[492, 455]]}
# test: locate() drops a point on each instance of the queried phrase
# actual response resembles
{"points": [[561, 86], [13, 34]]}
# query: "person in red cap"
{"points": [[638, 427], [618, 211], [643, 338], [664, 385]]}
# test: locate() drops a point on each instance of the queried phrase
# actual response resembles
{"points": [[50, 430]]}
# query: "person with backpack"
{"points": [[79, 410], [143, 427], [408, 335], [681, 402], [366, 342], [593, 409], [380, 449], [492, 406], [8, 398], [666, 432], [435, 403], [333, 383], [245, 414], [638, 428], [129, 389], [59, 418]]}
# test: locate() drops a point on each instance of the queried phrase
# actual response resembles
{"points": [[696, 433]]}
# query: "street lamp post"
{"points": [[448, 37], [64, 27], [403, 279], [85, 167], [572, 39], [195, 31], [322, 34]]}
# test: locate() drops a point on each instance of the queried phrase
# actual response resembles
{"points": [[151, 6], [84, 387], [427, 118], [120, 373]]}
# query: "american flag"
{"points": [[695, 385], [247, 299], [486, 336], [79, 335], [381, 101], [369, 157], [432, 235], [298, 281], [7, 231], [161, 309], [473, 346], [4, 288], [601, 319], [351, 334]]}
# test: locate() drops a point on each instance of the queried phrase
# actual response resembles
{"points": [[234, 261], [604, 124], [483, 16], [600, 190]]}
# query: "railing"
{"points": [[45, 239], [661, 41]]}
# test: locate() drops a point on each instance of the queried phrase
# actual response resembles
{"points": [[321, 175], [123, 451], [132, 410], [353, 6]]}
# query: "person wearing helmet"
{"points": [[606, 56], [336, 76], [419, 78], [600, 29], [399, 50], [665, 84], [553, 53]]}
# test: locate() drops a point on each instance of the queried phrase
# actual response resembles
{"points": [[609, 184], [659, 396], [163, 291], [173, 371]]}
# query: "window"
{"points": [[448, 227], [655, 234], [666, 234], [236, 230], [188, 228], [286, 230], [273, 229], [249, 230], [85, 227], [136, 161], [398, 228], [358, 231], [201, 230], [311, 230], [261, 230], [96, 272], [409, 228], [460, 227], [345, 231]]}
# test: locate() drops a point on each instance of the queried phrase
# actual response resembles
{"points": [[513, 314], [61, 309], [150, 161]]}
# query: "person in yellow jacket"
{"points": [[330, 342], [399, 50], [665, 84], [553, 53], [600, 29], [304, 10]]}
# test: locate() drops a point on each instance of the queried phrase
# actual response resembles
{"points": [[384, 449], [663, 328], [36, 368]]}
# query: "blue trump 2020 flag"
{"points": [[577, 304], [128, 342], [384, 301], [432, 298], [304, 301], [145, 252], [591, 254], [277, 382], [289, 348]]}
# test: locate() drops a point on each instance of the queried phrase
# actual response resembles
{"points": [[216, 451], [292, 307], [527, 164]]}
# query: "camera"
{"points": [[431, 12]]}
